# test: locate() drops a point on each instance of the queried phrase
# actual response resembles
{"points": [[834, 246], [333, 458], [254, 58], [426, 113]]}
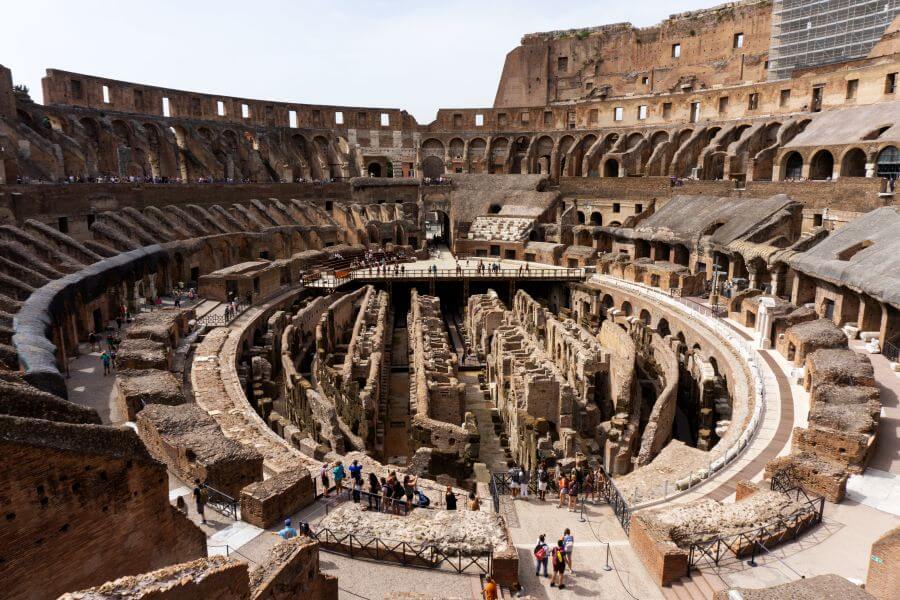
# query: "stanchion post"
{"points": [[606, 567]]}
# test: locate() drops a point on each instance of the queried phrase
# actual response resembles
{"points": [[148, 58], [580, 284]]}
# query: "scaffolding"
{"points": [[809, 33]]}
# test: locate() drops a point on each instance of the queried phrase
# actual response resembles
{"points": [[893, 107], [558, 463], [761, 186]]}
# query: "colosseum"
{"points": [[646, 307]]}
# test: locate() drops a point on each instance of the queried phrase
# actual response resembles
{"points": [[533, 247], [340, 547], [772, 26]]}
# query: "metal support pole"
{"points": [[606, 567], [752, 561]]}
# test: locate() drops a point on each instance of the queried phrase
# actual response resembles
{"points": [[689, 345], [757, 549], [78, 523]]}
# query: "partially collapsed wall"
{"points": [[443, 436]]}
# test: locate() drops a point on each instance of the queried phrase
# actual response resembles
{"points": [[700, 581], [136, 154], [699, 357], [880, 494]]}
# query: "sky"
{"points": [[414, 55]]}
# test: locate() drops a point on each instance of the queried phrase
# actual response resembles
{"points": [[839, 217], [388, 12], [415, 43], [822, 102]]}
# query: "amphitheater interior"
{"points": [[668, 272]]}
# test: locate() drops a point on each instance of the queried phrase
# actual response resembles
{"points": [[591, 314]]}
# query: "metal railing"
{"points": [[890, 352], [429, 556], [615, 499], [222, 503], [468, 273]]}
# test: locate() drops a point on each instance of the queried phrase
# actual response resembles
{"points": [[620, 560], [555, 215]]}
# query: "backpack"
{"points": [[557, 557], [204, 495], [542, 476], [540, 553]]}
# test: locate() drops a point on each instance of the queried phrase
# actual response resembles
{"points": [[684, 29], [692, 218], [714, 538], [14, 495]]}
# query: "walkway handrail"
{"points": [[429, 556], [221, 502], [486, 273], [745, 350]]}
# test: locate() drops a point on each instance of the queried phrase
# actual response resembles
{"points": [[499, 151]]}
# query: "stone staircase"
{"points": [[699, 585]]}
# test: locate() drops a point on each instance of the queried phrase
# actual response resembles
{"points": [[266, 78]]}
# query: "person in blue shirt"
{"points": [[356, 471], [288, 532]]}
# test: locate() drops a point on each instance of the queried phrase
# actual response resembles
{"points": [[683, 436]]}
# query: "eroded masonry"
{"points": [[668, 255]]}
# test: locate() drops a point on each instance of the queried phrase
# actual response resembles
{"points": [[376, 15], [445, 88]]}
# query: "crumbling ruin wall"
{"points": [[264, 503], [89, 491], [192, 444], [291, 570], [658, 430], [439, 423], [135, 389], [348, 364], [214, 577], [844, 411], [662, 537], [484, 312], [883, 579]]}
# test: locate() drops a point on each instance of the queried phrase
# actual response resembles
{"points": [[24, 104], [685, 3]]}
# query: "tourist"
{"points": [[339, 474], [513, 479], [473, 502], [568, 546], [357, 489], [523, 482], [356, 470], [409, 489], [590, 491], [543, 477], [559, 565], [119, 323], [92, 340], [106, 360], [574, 490], [563, 490], [112, 358], [399, 493], [324, 476], [201, 496], [288, 532], [490, 589], [374, 492], [541, 556], [386, 491], [450, 498], [422, 500]]}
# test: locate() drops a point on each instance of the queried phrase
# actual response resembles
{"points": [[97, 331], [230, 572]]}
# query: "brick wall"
{"points": [[264, 503], [883, 580], [665, 561], [291, 570], [83, 491], [214, 577]]}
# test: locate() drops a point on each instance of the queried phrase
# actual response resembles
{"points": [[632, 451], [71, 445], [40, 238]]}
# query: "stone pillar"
{"points": [[778, 279], [753, 276]]}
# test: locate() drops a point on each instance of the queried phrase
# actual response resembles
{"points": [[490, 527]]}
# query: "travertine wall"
{"points": [[883, 579]]}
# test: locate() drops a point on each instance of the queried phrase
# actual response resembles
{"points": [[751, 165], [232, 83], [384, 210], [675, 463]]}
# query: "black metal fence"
{"points": [[615, 499], [890, 352], [427, 556], [222, 503], [782, 528]]}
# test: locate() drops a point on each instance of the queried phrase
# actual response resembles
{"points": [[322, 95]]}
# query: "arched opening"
{"points": [[645, 316], [494, 209], [596, 218], [580, 218], [854, 163], [476, 155], [888, 163], [611, 168], [437, 226], [793, 167], [626, 308], [821, 166], [374, 169], [432, 158], [662, 328]]}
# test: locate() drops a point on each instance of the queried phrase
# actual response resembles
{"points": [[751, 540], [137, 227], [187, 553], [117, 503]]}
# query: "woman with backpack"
{"points": [[559, 565], [541, 556]]}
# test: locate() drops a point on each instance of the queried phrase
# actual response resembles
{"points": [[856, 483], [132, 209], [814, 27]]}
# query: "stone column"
{"points": [[778, 274]]}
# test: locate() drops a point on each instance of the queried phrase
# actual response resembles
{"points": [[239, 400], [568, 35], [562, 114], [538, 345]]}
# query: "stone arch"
{"points": [[662, 328], [562, 150], [626, 308], [596, 218], [476, 155], [791, 166], [579, 152], [518, 155], [122, 131], [498, 153], [658, 138], [611, 168], [853, 163], [543, 155], [887, 163], [645, 316], [580, 217], [457, 148], [821, 166]]}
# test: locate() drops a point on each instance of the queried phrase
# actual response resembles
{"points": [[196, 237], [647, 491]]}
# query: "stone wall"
{"points": [[264, 503], [214, 577], [84, 491], [883, 579], [291, 570], [192, 444]]}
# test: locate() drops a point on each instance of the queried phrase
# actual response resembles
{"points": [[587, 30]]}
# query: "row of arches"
{"points": [[853, 163]]}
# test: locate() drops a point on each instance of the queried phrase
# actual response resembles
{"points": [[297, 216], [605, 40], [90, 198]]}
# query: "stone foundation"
{"points": [[264, 503]]}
